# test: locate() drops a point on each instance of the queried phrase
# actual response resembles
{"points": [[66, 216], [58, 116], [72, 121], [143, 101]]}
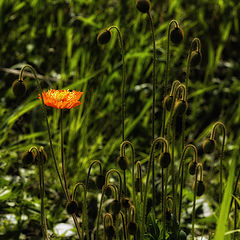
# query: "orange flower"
{"points": [[61, 99]]}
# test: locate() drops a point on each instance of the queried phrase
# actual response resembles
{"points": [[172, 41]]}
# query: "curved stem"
{"points": [[122, 153], [213, 133], [89, 171], [85, 215]]}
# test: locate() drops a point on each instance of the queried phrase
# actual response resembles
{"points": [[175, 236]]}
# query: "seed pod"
{"points": [[115, 207], [176, 35], [43, 155], [192, 167], [143, 5], [110, 231], [200, 188], [182, 235], [28, 158], [164, 159], [100, 181], [123, 162], [209, 145], [72, 207], [167, 102], [137, 184], [132, 228], [180, 107], [104, 36], [196, 58], [125, 203], [19, 88]]}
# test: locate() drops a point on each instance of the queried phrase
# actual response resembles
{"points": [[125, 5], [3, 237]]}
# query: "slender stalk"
{"points": [[90, 168], [139, 173], [124, 225]]}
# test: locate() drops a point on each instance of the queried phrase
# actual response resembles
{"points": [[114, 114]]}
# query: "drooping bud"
{"points": [[180, 107], [72, 207], [123, 162], [167, 102], [19, 88], [209, 145], [108, 191], [110, 231], [115, 207], [192, 167], [176, 35], [43, 155], [28, 158], [104, 36], [164, 159], [125, 203], [132, 228], [143, 5], [196, 58], [100, 181], [200, 187]]}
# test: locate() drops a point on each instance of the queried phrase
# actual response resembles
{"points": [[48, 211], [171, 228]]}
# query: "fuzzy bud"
{"points": [[132, 228], [19, 88], [104, 36], [72, 207], [28, 158], [143, 5], [180, 107], [123, 162], [176, 35], [209, 145], [192, 167], [200, 188], [115, 207], [167, 102], [125, 203], [196, 58], [100, 181], [108, 191], [43, 155], [110, 231], [164, 159]]}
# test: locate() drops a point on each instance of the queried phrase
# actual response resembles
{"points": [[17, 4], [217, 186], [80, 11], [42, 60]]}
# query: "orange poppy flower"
{"points": [[61, 99]]}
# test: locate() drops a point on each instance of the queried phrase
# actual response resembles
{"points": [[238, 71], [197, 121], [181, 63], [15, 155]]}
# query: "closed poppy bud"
{"points": [[19, 88], [180, 107], [125, 203], [132, 228], [192, 167], [167, 102], [182, 235], [209, 145], [115, 207], [200, 188], [143, 5], [164, 159], [196, 58], [104, 36], [110, 231], [100, 181], [176, 35], [28, 157], [72, 207], [43, 155], [123, 162], [137, 184]]}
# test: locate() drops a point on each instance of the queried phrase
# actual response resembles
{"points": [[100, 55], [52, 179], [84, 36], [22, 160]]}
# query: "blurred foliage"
{"points": [[58, 38]]}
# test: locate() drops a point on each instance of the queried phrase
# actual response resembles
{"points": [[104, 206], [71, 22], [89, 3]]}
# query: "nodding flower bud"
{"points": [[143, 5], [43, 155], [110, 231], [200, 187], [182, 235], [137, 184], [192, 167], [180, 107], [28, 158], [125, 203], [104, 36], [176, 35], [132, 228], [164, 159], [19, 88], [167, 102], [100, 181], [115, 207], [209, 145], [168, 215], [196, 58], [72, 207], [123, 162]]}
